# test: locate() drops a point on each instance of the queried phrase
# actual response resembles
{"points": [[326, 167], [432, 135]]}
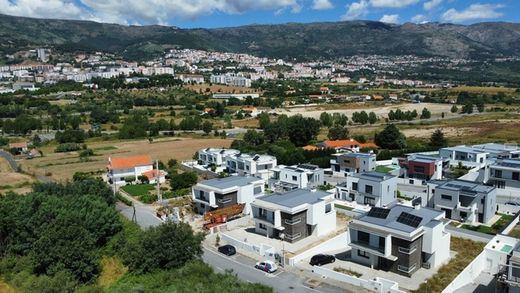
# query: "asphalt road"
{"points": [[10, 160]]}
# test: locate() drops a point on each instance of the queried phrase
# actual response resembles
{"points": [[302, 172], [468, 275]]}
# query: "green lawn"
{"points": [[384, 169], [339, 206], [138, 190], [494, 229]]}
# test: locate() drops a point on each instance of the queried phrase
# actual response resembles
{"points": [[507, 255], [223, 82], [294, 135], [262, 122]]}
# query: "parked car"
{"points": [[266, 266], [322, 259], [227, 250]]}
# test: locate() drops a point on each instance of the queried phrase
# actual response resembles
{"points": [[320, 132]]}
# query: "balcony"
{"points": [[380, 251], [263, 218]]}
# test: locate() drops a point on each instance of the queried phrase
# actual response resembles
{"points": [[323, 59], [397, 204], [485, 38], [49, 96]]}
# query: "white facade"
{"points": [[467, 156], [223, 192], [254, 165], [369, 188], [215, 156], [284, 178]]}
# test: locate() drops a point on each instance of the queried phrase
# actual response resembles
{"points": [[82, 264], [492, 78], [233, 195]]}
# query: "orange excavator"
{"points": [[220, 216]]}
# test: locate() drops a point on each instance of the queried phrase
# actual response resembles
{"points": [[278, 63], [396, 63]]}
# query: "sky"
{"points": [[225, 13]]}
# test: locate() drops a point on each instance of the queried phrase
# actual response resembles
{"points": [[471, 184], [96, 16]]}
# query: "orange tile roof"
{"points": [[153, 174], [18, 145], [248, 109], [310, 147], [129, 162], [377, 97], [334, 144]]}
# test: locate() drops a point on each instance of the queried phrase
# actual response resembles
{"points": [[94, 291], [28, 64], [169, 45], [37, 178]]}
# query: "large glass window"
{"points": [[369, 189], [363, 237]]}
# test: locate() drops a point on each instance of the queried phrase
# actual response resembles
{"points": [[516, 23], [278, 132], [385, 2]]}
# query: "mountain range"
{"points": [[303, 41]]}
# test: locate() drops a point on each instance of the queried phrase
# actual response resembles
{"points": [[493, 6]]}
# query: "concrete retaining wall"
{"points": [[262, 250], [332, 244]]}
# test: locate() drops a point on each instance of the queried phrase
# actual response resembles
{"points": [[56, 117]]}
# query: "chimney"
{"points": [[417, 206]]}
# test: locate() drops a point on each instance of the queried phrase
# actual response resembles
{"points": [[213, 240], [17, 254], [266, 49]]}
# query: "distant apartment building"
{"points": [[215, 156], [235, 96], [465, 155], [191, 78], [400, 239], [251, 164], [42, 55], [343, 164], [465, 201], [224, 192], [369, 188], [231, 80], [294, 215], [422, 167], [504, 174], [285, 178]]}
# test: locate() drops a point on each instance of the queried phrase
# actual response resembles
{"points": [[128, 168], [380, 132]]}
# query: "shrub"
{"points": [[68, 147]]}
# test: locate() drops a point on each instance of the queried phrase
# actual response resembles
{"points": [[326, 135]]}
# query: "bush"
{"points": [[183, 180], [68, 147]]}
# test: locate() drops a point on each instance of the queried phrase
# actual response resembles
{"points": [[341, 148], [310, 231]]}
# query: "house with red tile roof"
{"points": [[342, 144], [20, 147], [120, 168], [377, 98]]}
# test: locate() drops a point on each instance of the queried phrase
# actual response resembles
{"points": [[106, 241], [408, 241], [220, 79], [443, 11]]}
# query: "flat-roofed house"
{"points": [[296, 214], [401, 239], [215, 156], [465, 155], [343, 164], [369, 188], [423, 167], [251, 164], [504, 174], [465, 201], [285, 178], [219, 193]]}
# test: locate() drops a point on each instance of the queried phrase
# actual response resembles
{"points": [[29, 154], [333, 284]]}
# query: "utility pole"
{"points": [[159, 196]]}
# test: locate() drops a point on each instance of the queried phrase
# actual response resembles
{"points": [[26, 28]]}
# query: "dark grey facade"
{"points": [[295, 226]]}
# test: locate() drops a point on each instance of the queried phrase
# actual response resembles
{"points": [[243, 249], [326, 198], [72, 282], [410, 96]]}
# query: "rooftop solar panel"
{"points": [[380, 213], [409, 219]]}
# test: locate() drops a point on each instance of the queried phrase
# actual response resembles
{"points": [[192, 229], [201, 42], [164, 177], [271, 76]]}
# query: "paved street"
{"points": [[10, 160]]}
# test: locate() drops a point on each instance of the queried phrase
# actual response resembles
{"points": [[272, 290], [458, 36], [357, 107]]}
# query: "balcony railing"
{"points": [[368, 246], [264, 218]]}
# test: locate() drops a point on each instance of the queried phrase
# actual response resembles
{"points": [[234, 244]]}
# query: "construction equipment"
{"points": [[220, 216]]}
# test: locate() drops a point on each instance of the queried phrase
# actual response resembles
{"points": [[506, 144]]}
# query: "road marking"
{"points": [[219, 268]]}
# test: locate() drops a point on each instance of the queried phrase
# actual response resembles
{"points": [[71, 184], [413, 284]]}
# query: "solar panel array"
{"points": [[409, 219], [380, 213]]}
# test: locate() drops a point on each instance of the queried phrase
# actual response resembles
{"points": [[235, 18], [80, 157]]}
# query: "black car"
{"points": [[322, 259], [227, 250]]}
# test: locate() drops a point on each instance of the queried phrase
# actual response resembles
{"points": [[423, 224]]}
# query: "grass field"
{"points": [[138, 189], [216, 88], [62, 166], [483, 89], [494, 229], [13, 181], [466, 250], [112, 269]]}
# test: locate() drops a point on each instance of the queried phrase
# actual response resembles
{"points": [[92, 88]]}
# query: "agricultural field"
{"points": [[217, 88], [13, 181], [62, 166]]}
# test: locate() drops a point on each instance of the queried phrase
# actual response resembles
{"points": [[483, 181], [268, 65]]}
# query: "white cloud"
{"points": [[322, 5], [356, 9], [419, 18], [429, 5], [473, 12], [139, 11], [390, 18], [392, 3], [42, 9]]}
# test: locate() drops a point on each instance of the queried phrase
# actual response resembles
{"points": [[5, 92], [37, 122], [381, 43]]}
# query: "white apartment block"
{"points": [[294, 215], [251, 164], [369, 188], [286, 178], [231, 80], [224, 192]]}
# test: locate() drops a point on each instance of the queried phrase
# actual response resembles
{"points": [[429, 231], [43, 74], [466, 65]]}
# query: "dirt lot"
{"points": [[12, 181], [221, 89], [314, 112], [62, 166]]}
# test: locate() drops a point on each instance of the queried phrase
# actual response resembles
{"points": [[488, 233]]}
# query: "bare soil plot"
{"points": [[220, 89], [62, 166]]}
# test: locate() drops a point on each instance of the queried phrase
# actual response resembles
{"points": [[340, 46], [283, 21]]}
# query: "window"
{"points": [[363, 237], [370, 201], [411, 181], [224, 200], [369, 189], [515, 176], [293, 221], [328, 208], [294, 178], [382, 241], [363, 254], [446, 197], [354, 186], [257, 190], [201, 194], [408, 250], [262, 226], [498, 173], [406, 269], [500, 184]]}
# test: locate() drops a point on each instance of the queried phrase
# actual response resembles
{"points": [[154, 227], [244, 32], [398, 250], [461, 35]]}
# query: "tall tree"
{"points": [[390, 138], [337, 132], [438, 140]]}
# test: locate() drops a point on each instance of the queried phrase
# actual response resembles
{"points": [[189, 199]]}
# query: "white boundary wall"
{"points": [[262, 250], [379, 285], [469, 273], [334, 243]]}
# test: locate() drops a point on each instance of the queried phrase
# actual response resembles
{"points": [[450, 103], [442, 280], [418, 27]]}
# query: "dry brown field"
{"points": [[13, 181]]}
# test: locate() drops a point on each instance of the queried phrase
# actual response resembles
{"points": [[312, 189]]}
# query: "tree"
{"points": [[454, 109], [302, 130], [372, 118], [390, 138], [339, 119], [467, 108], [207, 127], [168, 246], [326, 119], [183, 180], [438, 140], [426, 114], [337, 132], [253, 137], [263, 119], [135, 126]]}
